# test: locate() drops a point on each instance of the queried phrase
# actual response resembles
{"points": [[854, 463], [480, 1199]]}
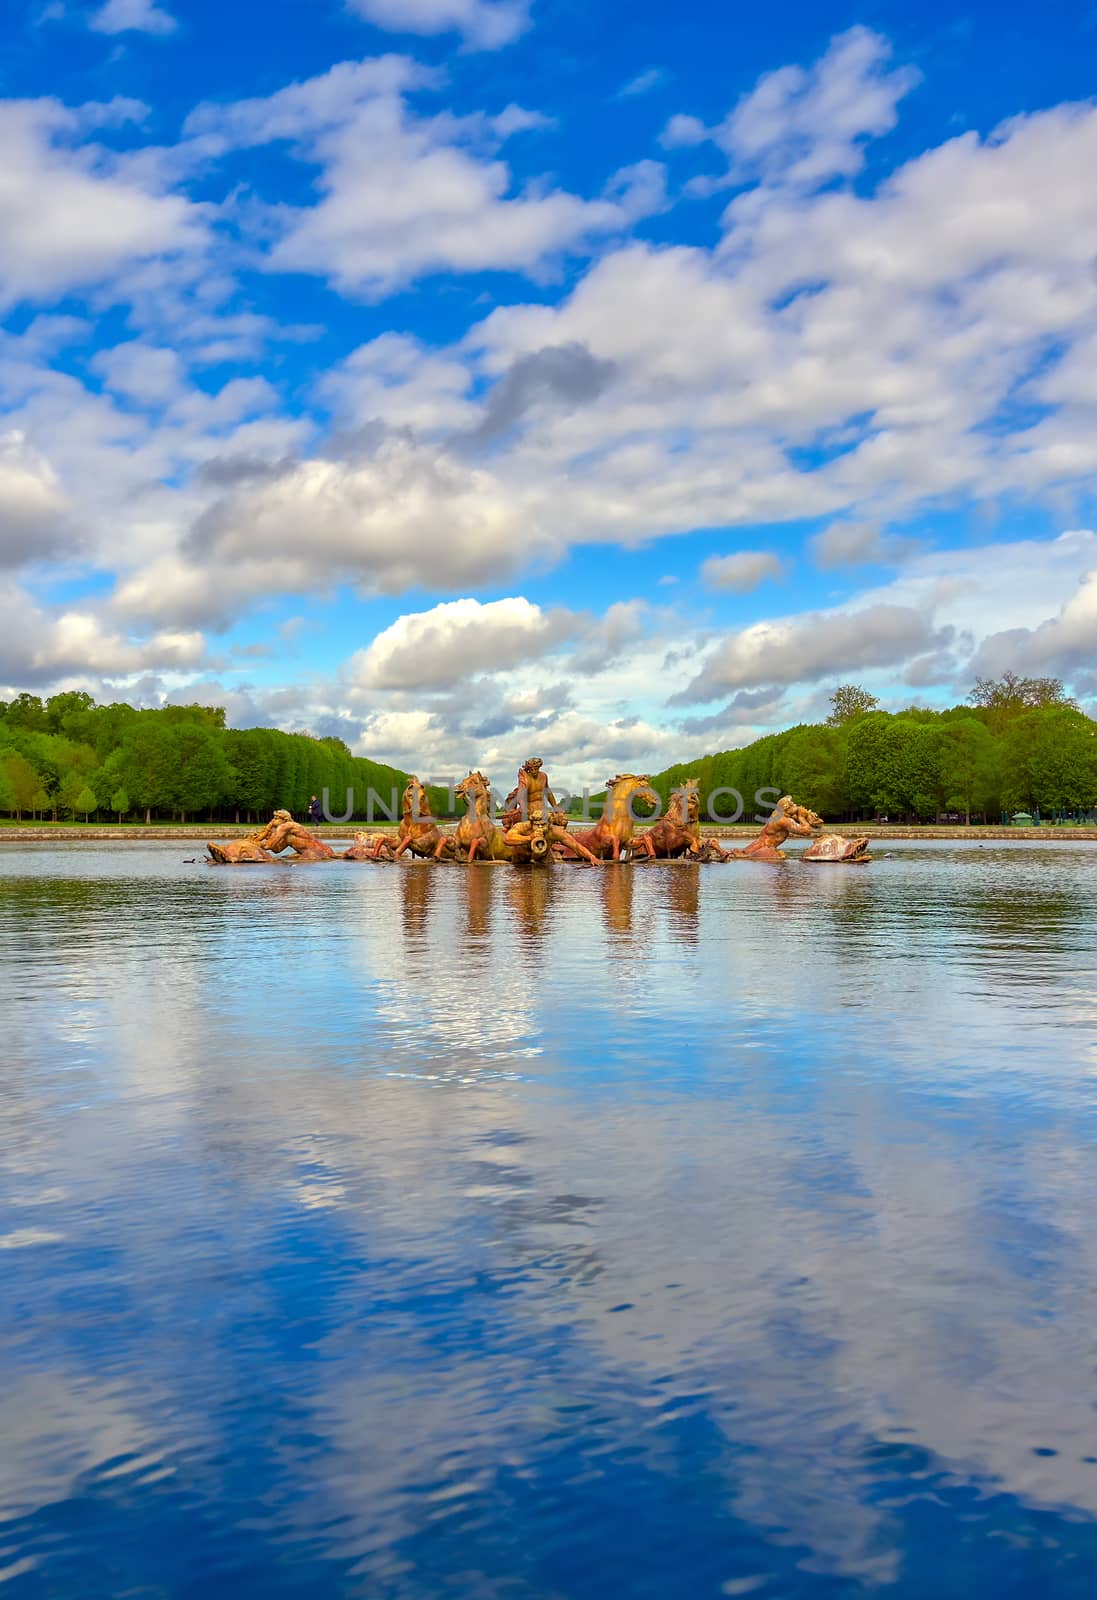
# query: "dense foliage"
{"points": [[1021, 745], [71, 758]]}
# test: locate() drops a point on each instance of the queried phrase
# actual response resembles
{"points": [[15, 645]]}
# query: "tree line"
{"points": [[1017, 745], [67, 757]]}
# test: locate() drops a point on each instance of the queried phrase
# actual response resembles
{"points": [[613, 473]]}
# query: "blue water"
{"points": [[645, 1232]]}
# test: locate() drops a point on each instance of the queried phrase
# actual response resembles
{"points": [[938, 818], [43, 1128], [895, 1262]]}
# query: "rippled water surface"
{"points": [[419, 1232]]}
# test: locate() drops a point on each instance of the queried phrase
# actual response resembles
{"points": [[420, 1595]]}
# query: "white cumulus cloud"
{"points": [[70, 215], [806, 648], [402, 194], [136, 16], [482, 24], [454, 640], [33, 511], [742, 571]]}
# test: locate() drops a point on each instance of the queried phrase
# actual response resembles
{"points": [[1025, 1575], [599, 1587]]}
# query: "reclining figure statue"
{"points": [[789, 821], [280, 833]]}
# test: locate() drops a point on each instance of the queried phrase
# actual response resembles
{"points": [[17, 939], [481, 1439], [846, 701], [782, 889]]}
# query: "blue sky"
{"points": [[603, 381]]}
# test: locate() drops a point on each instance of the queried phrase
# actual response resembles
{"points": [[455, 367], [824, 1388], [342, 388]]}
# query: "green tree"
{"points": [[27, 711], [973, 776], [922, 764], [1061, 760], [70, 713], [7, 791], [71, 792], [24, 779], [873, 759], [813, 769], [201, 773], [848, 702], [146, 767], [1011, 696], [120, 803], [85, 801], [251, 785]]}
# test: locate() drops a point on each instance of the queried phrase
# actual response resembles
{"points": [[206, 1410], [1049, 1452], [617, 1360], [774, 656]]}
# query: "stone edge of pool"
{"points": [[16, 833]]}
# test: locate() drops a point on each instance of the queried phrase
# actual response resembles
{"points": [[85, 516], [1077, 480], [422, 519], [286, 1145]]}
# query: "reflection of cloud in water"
{"points": [[790, 1167], [446, 993]]}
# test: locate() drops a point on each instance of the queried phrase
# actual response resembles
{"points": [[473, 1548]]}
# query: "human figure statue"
{"points": [[525, 825], [528, 799], [280, 833], [787, 821]]}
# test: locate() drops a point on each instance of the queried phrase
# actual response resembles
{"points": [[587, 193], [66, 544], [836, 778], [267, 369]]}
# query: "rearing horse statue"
{"points": [[476, 832], [617, 824], [419, 832], [679, 832]]}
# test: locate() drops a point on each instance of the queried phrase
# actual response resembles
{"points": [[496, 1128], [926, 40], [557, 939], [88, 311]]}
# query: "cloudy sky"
{"points": [[478, 377]]}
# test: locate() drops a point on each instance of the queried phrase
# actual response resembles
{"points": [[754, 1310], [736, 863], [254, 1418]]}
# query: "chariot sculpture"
{"points": [[533, 831]]}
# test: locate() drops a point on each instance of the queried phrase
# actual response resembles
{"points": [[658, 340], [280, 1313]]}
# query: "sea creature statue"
{"points": [[616, 826], [679, 832], [478, 837], [844, 852], [419, 832], [368, 847], [280, 833], [789, 821], [239, 852]]}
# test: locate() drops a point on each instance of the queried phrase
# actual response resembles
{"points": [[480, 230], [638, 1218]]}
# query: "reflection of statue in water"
{"points": [[280, 833], [617, 886], [479, 888], [789, 821], [530, 897], [683, 898], [417, 890]]}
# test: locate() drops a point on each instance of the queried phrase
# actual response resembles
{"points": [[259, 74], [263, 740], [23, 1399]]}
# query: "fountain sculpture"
{"points": [[534, 831]]}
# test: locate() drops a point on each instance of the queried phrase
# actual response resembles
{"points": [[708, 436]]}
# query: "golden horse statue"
{"points": [[617, 824], [679, 832], [419, 832]]}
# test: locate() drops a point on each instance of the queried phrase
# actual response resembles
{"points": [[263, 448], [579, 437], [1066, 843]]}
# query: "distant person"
{"points": [[314, 810]]}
